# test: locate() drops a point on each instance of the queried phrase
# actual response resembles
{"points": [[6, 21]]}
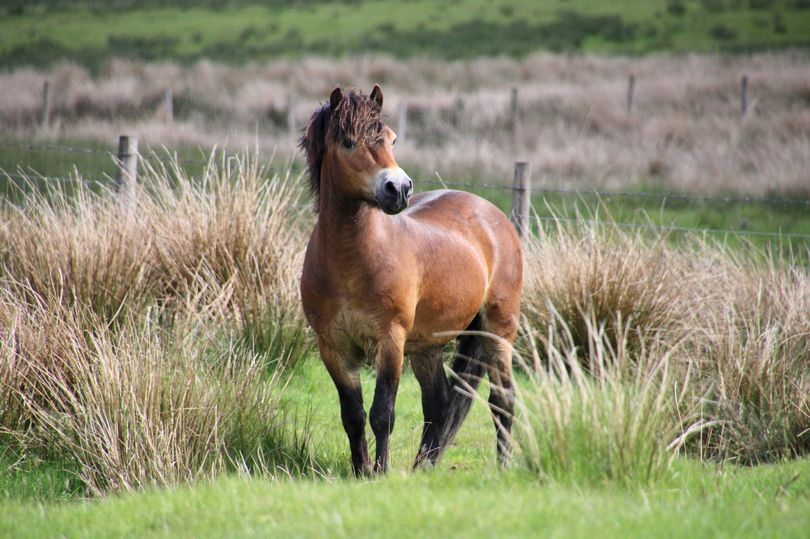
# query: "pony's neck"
{"points": [[347, 227]]}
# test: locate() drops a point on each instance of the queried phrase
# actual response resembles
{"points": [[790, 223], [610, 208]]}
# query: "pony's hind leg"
{"points": [[352, 413], [428, 368], [498, 350], [501, 394], [447, 402]]}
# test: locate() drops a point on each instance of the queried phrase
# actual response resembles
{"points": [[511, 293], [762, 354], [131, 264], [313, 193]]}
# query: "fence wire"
{"points": [[633, 194], [40, 177], [57, 148], [673, 228]]}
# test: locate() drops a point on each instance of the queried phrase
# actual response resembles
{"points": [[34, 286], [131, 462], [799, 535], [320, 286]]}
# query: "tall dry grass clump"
{"points": [[639, 349], [137, 405], [621, 418], [234, 231], [80, 250], [141, 338], [631, 284], [752, 342], [237, 231]]}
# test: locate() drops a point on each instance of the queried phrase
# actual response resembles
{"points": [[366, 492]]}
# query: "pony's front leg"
{"points": [[350, 392], [389, 360]]}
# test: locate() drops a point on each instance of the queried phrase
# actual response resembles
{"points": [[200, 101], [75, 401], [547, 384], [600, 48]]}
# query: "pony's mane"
{"points": [[356, 118]]}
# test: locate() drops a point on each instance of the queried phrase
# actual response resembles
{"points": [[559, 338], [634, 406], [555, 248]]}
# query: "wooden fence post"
{"points": [[46, 105], [744, 95], [168, 106], [127, 175], [513, 113], [290, 114], [631, 90], [521, 198], [458, 112], [402, 121]]}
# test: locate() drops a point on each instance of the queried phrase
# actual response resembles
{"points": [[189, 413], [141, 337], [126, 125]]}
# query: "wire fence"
{"points": [[39, 177], [664, 197], [672, 228]]}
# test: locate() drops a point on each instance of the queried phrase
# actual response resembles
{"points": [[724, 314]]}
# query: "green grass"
{"points": [[465, 496], [94, 162], [759, 223], [42, 32], [31, 479], [311, 392], [765, 502]]}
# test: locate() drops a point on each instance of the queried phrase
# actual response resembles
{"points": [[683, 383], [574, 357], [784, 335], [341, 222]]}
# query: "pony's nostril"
{"points": [[390, 188], [409, 188]]}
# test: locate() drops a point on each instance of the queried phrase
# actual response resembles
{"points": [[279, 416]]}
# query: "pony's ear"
{"points": [[335, 97], [376, 95]]}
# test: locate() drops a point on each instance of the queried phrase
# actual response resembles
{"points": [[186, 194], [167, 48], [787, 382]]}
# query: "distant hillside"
{"points": [[91, 31]]}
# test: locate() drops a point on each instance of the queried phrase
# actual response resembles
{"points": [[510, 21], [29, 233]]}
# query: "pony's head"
{"points": [[349, 152]]}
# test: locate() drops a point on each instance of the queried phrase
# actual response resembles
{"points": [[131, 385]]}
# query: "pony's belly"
{"points": [[355, 329], [436, 327], [452, 295], [419, 343]]}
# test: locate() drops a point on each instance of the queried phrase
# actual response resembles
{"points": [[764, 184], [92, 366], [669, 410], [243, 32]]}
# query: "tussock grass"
{"points": [[629, 283], [754, 348], [232, 235], [619, 418], [138, 405], [709, 344], [146, 339]]}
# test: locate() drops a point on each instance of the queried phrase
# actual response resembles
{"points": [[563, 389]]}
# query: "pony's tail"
{"points": [[468, 368]]}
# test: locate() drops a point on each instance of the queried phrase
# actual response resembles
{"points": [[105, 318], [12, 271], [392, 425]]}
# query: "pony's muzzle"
{"points": [[393, 190]]}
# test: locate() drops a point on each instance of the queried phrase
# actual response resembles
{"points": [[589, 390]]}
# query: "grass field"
{"points": [[465, 497], [41, 32], [763, 502]]}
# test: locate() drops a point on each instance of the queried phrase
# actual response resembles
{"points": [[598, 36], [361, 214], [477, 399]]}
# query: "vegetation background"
{"points": [[92, 32], [156, 376]]}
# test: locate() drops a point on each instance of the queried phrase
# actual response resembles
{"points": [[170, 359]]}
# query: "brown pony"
{"points": [[381, 281]]}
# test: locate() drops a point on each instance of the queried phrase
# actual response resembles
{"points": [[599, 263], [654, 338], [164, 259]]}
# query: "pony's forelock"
{"points": [[356, 118]]}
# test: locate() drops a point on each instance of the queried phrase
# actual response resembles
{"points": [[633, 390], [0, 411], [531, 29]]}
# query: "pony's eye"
{"points": [[349, 144]]}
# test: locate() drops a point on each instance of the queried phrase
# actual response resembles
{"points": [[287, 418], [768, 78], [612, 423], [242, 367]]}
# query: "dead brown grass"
{"points": [[684, 133], [735, 329], [144, 340], [232, 231]]}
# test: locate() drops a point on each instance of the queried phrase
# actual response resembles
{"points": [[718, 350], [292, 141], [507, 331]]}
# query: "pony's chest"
{"points": [[353, 328], [350, 313]]}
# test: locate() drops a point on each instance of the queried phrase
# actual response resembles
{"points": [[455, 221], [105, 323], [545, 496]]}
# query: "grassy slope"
{"points": [[464, 497], [462, 28]]}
